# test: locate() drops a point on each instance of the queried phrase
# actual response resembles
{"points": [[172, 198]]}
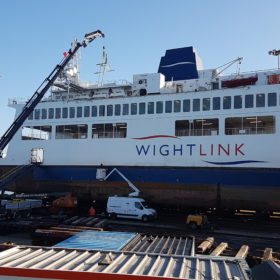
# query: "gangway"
{"points": [[43, 88], [14, 174]]}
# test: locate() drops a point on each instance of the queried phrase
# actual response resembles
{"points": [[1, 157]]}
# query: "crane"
{"points": [[100, 176], [43, 88], [227, 65]]}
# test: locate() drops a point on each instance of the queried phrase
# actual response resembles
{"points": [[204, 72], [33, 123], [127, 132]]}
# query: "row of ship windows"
{"points": [[196, 127], [233, 126], [159, 107], [80, 131]]}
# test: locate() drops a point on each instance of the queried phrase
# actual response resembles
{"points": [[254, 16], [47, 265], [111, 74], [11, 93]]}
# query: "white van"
{"points": [[130, 207]]}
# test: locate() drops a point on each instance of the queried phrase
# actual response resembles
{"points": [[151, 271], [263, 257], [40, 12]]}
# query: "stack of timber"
{"points": [[209, 247], [68, 228]]}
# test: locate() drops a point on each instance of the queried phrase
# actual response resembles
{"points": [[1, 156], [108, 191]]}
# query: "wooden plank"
{"points": [[131, 244], [267, 254], [219, 250], [243, 252], [205, 245]]}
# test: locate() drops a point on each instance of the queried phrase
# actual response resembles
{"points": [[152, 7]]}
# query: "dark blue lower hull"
{"points": [[244, 177], [257, 189]]}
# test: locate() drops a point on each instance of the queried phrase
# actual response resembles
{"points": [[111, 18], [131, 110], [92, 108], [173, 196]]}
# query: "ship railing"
{"points": [[17, 100], [250, 130], [109, 135], [94, 135], [254, 72], [197, 132], [71, 136], [36, 136]]}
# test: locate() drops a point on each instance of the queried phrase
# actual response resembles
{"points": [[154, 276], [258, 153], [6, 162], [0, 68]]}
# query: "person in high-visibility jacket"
{"points": [[92, 211]]}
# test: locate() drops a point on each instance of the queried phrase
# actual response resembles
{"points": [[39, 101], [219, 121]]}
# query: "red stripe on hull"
{"points": [[156, 136], [71, 275]]}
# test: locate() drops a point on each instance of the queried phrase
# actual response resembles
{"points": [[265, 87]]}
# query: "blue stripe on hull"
{"points": [[245, 177]]}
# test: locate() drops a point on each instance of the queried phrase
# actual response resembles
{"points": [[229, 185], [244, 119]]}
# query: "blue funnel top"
{"points": [[178, 64]]}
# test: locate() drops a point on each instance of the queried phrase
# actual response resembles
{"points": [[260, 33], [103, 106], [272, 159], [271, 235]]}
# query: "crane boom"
{"points": [[136, 190], [43, 88], [227, 65]]}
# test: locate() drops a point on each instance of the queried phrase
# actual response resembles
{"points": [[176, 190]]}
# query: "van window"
{"points": [[145, 204], [138, 205]]}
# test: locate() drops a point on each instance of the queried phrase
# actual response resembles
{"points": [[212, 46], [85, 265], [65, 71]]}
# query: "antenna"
{"points": [[104, 66]]}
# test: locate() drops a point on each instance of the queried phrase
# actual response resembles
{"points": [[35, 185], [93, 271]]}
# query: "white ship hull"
{"points": [[186, 156]]}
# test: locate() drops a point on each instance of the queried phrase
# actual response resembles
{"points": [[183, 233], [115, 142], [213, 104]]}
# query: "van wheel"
{"points": [[145, 218], [113, 216]]}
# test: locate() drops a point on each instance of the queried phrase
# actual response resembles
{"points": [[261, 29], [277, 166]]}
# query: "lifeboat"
{"points": [[240, 82]]}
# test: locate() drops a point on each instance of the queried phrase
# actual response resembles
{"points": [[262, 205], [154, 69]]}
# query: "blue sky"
{"points": [[35, 33]]}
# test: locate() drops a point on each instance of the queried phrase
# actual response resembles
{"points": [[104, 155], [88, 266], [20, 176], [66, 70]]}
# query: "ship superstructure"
{"points": [[189, 136]]}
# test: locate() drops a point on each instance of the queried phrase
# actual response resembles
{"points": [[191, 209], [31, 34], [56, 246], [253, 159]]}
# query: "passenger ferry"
{"points": [[185, 136]]}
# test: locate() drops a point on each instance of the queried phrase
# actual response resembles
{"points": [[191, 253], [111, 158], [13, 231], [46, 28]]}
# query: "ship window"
{"points": [[51, 113], [215, 85], [206, 104], [101, 110], [94, 111], [64, 113], [186, 105], [109, 110], [44, 114], [120, 130], [196, 105], [179, 88], [250, 125], [72, 112], [30, 116], [260, 100], [182, 128], [125, 109], [271, 99], [237, 101], [177, 106], [216, 103], [37, 114], [151, 107], [71, 131], [159, 108], [197, 127], [249, 101], [36, 132], [168, 106], [57, 113], [133, 108], [226, 102], [86, 111], [79, 112], [142, 108], [109, 130], [117, 109]]}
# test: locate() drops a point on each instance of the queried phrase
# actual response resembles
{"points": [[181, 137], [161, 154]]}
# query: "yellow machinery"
{"points": [[196, 220]]}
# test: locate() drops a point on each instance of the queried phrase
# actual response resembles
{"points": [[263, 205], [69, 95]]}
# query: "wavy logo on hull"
{"points": [[234, 162]]}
